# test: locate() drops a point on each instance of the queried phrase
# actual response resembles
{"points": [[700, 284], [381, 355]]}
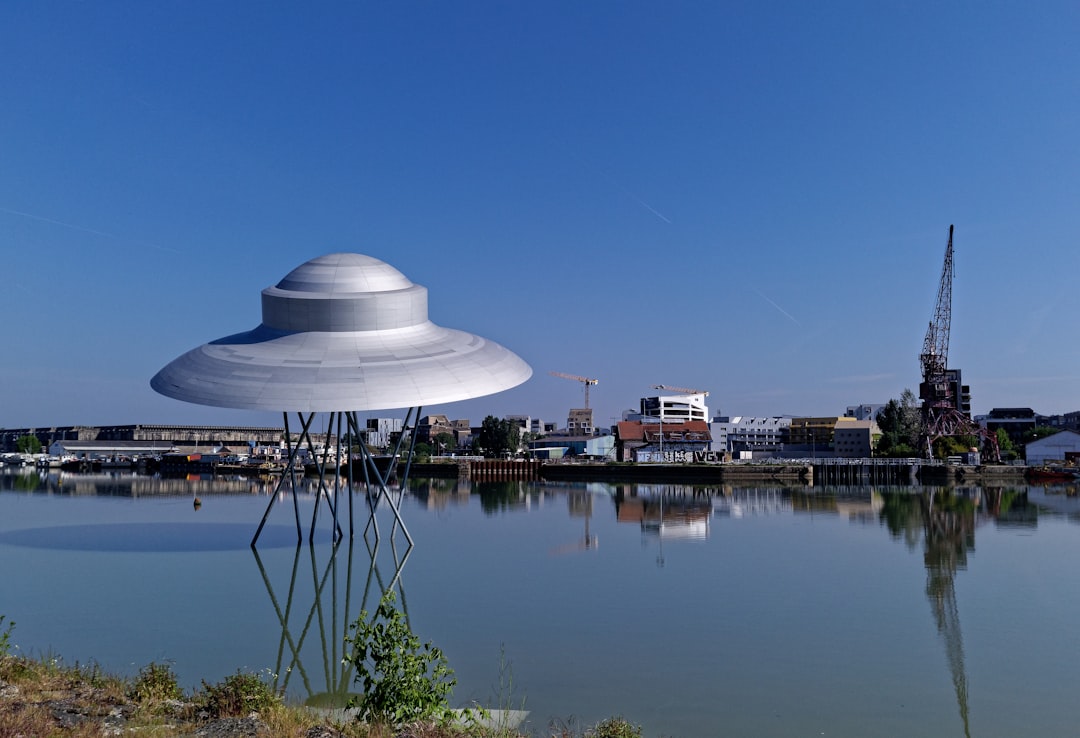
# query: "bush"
{"points": [[236, 696], [615, 727], [155, 683], [404, 681]]}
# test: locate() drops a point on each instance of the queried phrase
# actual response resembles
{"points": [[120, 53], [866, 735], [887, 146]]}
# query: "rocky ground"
{"points": [[80, 710]]}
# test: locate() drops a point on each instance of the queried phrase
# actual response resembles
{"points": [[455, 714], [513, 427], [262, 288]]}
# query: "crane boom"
{"points": [[935, 353], [586, 381]]}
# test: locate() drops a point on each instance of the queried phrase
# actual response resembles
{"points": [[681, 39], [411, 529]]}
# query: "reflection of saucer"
{"points": [[149, 537]]}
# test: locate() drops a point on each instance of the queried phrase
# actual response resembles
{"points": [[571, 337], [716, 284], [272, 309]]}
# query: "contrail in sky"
{"points": [[637, 199], [785, 312], [648, 207], [84, 229]]}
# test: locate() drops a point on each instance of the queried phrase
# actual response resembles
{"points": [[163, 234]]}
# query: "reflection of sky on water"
{"points": [[148, 537], [798, 611]]}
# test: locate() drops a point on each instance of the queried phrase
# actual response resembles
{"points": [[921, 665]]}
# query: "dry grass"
{"points": [[43, 698]]}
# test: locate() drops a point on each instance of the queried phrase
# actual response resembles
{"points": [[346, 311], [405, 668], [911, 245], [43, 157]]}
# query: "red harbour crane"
{"points": [[944, 401]]}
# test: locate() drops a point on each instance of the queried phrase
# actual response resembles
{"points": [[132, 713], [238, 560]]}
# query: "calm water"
{"points": [[853, 612]]}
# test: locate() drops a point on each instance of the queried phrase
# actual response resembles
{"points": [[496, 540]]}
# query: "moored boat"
{"points": [[1051, 474]]}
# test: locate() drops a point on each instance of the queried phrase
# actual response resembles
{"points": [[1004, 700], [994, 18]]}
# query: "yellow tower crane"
{"points": [[584, 380]]}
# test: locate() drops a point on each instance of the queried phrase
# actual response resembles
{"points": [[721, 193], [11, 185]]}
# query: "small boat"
{"points": [[1051, 474]]}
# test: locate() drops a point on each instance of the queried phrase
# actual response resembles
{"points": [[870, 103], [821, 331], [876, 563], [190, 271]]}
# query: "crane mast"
{"points": [[937, 392], [944, 399]]}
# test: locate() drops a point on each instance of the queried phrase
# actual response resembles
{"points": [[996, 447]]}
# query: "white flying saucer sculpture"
{"points": [[341, 333]]}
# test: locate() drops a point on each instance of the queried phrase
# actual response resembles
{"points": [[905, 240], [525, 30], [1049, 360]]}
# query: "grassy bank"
{"points": [[46, 698]]}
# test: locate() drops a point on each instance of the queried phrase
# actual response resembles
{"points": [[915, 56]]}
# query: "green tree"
{"points": [[1039, 431], [1005, 445], [947, 446], [497, 438], [443, 443], [28, 444], [900, 425]]}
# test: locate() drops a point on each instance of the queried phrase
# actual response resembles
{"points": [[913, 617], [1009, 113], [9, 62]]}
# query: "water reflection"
{"points": [[300, 601], [327, 610]]}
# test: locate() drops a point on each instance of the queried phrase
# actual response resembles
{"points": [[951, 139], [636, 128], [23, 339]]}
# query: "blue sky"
{"points": [[749, 198]]}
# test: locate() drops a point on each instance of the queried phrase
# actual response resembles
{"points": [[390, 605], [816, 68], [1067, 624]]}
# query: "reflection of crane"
{"points": [[579, 504], [584, 380], [682, 390], [942, 409], [949, 535]]}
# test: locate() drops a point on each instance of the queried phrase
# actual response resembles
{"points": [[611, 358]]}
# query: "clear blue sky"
{"points": [[750, 198]]}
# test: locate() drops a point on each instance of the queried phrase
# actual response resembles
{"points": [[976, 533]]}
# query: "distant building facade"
{"points": [[863, 412], [676, 408], [661, 441], [748, 437], [1059, 448], [580, 422], [165, 435], [1015, 421], [856, 439]]}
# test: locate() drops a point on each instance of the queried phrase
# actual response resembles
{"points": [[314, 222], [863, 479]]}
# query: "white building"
{"points": [[676, 408], [863, 412], [380, 431], [1053, 449], [747, 435]]}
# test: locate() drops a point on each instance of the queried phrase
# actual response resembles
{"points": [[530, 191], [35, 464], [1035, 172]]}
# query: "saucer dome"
{"points": [[342, 332]]}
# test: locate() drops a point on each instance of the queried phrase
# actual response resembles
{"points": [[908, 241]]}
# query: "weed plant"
{"points": [[404, 680], [156, 683], [5, 636], [238, 695]]}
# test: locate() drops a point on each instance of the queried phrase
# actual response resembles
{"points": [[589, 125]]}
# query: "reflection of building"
{"points": [[664, 514], [747, 502]]}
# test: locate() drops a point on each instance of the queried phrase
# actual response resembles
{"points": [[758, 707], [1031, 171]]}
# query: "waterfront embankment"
{"points": [[795, 473]]}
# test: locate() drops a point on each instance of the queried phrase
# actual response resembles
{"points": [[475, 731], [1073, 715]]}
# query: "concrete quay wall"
{"points": [[872, 471]]}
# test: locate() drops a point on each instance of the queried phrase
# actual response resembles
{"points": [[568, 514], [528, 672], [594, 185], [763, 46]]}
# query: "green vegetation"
{"points": [[404, 681], [28, 444], [156, 683], [239, 694], [615, 727], [900, 424], [1005, 446], [5, 636], [947, 446], [1040, 431], [43, 697], [497, 439], [444, 443]]}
